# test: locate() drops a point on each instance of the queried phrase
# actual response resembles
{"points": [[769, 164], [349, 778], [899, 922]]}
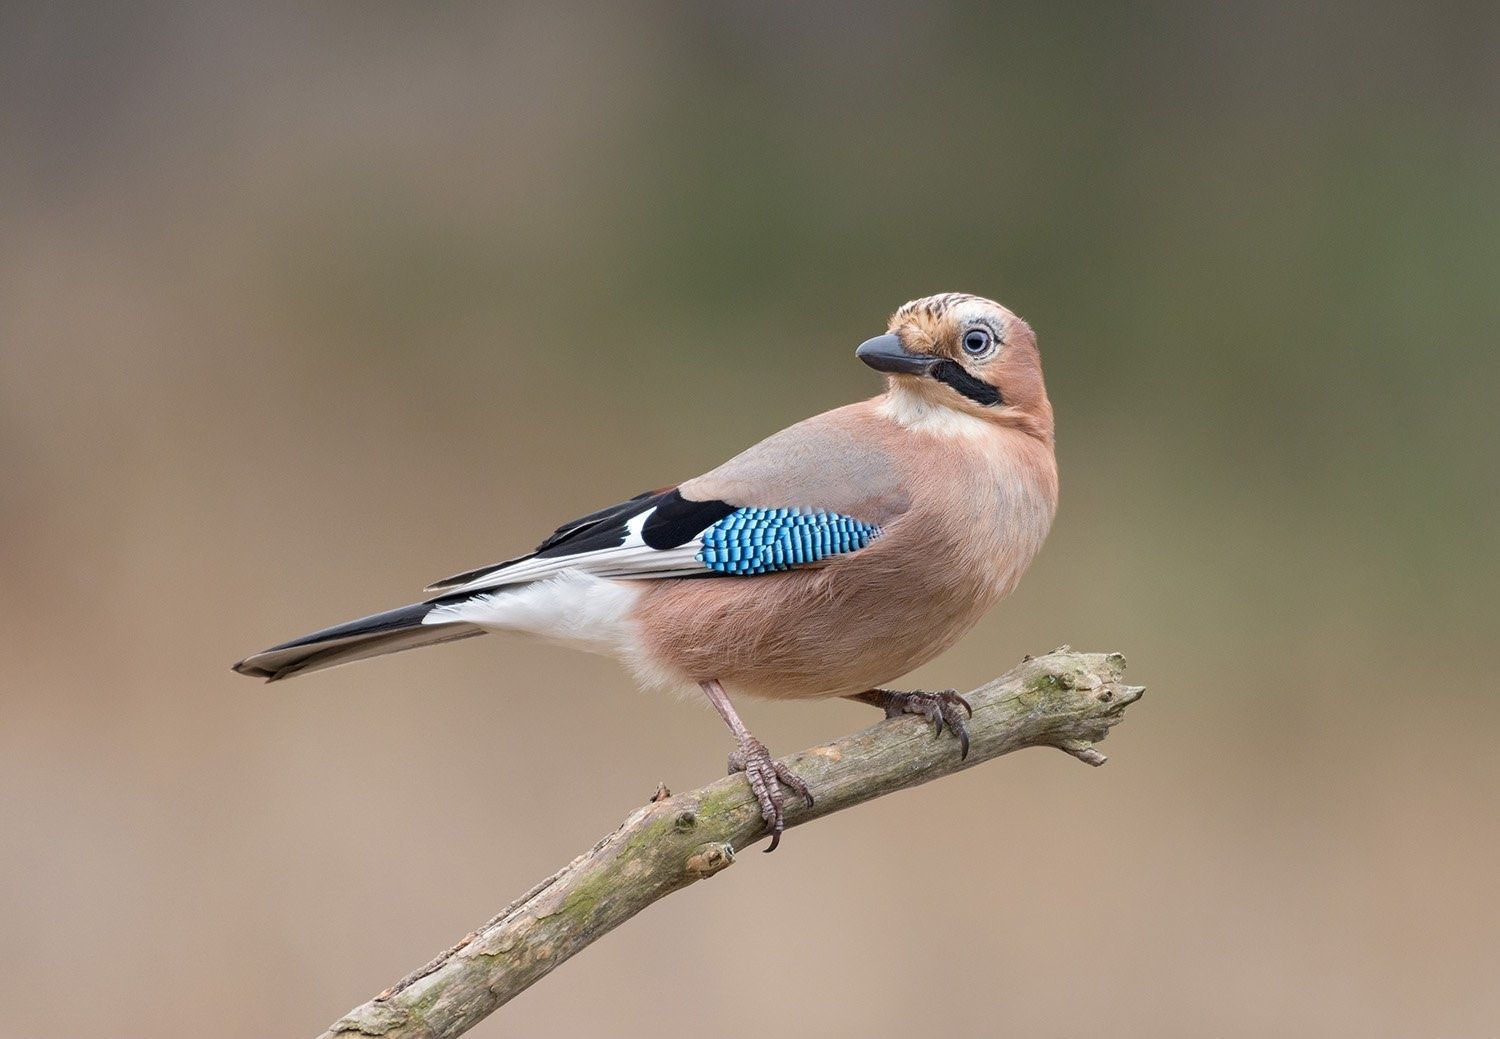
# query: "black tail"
{"points": [[373, 636]]}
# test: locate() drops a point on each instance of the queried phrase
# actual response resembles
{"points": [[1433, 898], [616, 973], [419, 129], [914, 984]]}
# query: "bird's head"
{"points": [[955, 356]]}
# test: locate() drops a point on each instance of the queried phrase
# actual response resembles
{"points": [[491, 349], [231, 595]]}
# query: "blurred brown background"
{"points": [[300, 309]]}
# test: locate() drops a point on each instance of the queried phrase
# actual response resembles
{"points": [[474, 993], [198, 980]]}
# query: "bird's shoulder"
{"points": [[846, 460]]}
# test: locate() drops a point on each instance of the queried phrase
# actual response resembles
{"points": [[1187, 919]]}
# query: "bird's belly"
{"points": [[809, 633]]}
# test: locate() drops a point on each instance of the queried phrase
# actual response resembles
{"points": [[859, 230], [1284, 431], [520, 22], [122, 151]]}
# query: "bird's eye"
{"points": [[976, 341]]}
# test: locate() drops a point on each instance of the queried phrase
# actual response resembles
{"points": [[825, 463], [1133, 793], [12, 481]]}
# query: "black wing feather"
{"points": [[573, 526], [562, 535], [674, 522]]}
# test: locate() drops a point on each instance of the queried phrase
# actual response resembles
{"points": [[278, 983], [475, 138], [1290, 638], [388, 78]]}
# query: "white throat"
{"points": [[917, 412]]}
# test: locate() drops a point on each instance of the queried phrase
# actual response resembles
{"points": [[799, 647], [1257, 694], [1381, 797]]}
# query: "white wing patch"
{"points": [[631, 559]]}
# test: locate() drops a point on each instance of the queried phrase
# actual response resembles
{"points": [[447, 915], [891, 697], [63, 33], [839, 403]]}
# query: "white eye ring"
{"points": [[977, 341]]}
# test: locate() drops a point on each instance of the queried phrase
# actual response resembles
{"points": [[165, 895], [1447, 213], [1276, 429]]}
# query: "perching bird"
{"points": [[827, 560]]}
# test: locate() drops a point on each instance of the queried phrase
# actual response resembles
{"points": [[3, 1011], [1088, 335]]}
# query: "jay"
{"points": [[827, 560]]}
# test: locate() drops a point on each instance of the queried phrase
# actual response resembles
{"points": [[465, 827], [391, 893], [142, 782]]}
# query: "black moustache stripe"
{"points": [[953, 374]]}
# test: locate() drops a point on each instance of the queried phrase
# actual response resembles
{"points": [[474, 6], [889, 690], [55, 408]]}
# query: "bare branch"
{"points": [[1064, 699]]}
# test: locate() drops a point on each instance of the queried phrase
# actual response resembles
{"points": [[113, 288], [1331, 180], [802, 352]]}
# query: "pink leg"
{"points": [[765, 774]]}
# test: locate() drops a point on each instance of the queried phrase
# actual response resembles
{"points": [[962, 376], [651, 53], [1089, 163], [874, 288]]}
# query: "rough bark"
{"points": [[1065, 699]]}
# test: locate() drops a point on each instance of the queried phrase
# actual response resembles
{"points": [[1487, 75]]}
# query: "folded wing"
{"points": [[817, 490], [667, 535]]}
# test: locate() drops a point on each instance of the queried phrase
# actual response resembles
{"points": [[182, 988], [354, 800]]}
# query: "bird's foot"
{"points": [[941, 708], [767, 776]]}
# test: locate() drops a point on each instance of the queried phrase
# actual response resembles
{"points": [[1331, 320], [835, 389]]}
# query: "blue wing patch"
{"points": [[759, 541]]}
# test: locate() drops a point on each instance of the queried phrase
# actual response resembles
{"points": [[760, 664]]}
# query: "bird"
{"points": [[827, 560]]}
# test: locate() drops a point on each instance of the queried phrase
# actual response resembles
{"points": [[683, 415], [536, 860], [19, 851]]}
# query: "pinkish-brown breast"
{"points": [[976, 511]]}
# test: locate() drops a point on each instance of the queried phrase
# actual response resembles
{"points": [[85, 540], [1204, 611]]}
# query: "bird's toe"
{"points": [[944, 709], [766, 777]]}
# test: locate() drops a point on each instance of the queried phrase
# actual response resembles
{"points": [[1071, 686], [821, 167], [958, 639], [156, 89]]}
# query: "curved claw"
{"points": [[950, 699], [766, 777], [942, 709], [792, 781]]}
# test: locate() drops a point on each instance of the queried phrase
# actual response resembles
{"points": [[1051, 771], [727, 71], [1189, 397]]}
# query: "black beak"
{"points": [[886, 354]]}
